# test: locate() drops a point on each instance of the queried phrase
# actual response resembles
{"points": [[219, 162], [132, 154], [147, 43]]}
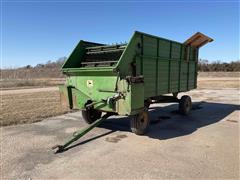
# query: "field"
{"points": [[24, 105], [218, 80], [6, 84], [30, 105]]}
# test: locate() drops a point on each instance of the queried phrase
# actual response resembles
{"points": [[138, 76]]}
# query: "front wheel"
{"points": [[185, 105], [91, 115], [140, 123]]}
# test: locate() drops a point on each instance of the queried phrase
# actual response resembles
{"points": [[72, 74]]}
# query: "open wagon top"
{"points": [[90, 56]]}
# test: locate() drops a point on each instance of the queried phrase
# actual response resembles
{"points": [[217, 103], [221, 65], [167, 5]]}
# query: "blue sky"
{"points": [[36, 31]]}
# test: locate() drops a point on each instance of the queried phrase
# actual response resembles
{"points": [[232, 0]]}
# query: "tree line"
{"points": [[52, 69], [216, 66]]}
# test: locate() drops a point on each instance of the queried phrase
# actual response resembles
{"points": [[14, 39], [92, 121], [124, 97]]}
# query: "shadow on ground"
{"points": [[167, 123]]}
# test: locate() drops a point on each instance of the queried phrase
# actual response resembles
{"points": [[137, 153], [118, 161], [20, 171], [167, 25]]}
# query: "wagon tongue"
{"points": [[102, 55]]}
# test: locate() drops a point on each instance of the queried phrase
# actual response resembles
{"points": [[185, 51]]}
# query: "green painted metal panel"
{"points": [[123, 106], [176, 50], [174, 76], [129, 55], [76, 56], [74, 59], [149, 73], [163, 76], [183, 79], [183, 47], [134, 100], [191, 81], [149, 46], [94, 88], [138, 65], [192, 54], [164, 48], [137, 97]]}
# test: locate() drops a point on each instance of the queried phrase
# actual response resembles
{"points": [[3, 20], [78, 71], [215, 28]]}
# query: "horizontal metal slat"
{"points": [[102, 52], [99, 62]]}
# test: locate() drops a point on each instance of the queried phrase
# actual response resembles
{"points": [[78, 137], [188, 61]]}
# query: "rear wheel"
{"points": [[140, 123], [185, 105], [91, 115]]}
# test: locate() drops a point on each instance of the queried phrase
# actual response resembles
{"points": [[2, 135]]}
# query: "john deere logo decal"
{"points": [[89, 83]]}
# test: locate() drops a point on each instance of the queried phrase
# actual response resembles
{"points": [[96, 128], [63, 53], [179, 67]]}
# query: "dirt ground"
{"points": [[203, 145], [218, 83]]}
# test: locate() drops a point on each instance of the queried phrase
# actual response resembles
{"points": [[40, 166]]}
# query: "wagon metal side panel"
{"points": [[167, 66], [94, 88], [149, 63]]}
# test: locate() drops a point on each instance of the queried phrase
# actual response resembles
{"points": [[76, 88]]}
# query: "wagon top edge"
{"points": [[100, 56]]}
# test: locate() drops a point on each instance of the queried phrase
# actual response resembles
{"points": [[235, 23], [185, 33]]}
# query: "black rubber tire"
{"points": [[91, 115], [140, 123], [185, 105], [147, 104]]}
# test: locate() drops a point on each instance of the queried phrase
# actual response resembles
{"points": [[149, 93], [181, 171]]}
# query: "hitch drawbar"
{"points": [[79, 134]]}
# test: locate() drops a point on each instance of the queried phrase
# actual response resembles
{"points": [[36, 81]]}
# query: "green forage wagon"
{"points": [[124, 79]]}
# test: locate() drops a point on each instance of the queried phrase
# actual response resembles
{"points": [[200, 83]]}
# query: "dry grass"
{"points": [[218, 83], [26, 83], [218, 74], [30, 107], [218, 80]]}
